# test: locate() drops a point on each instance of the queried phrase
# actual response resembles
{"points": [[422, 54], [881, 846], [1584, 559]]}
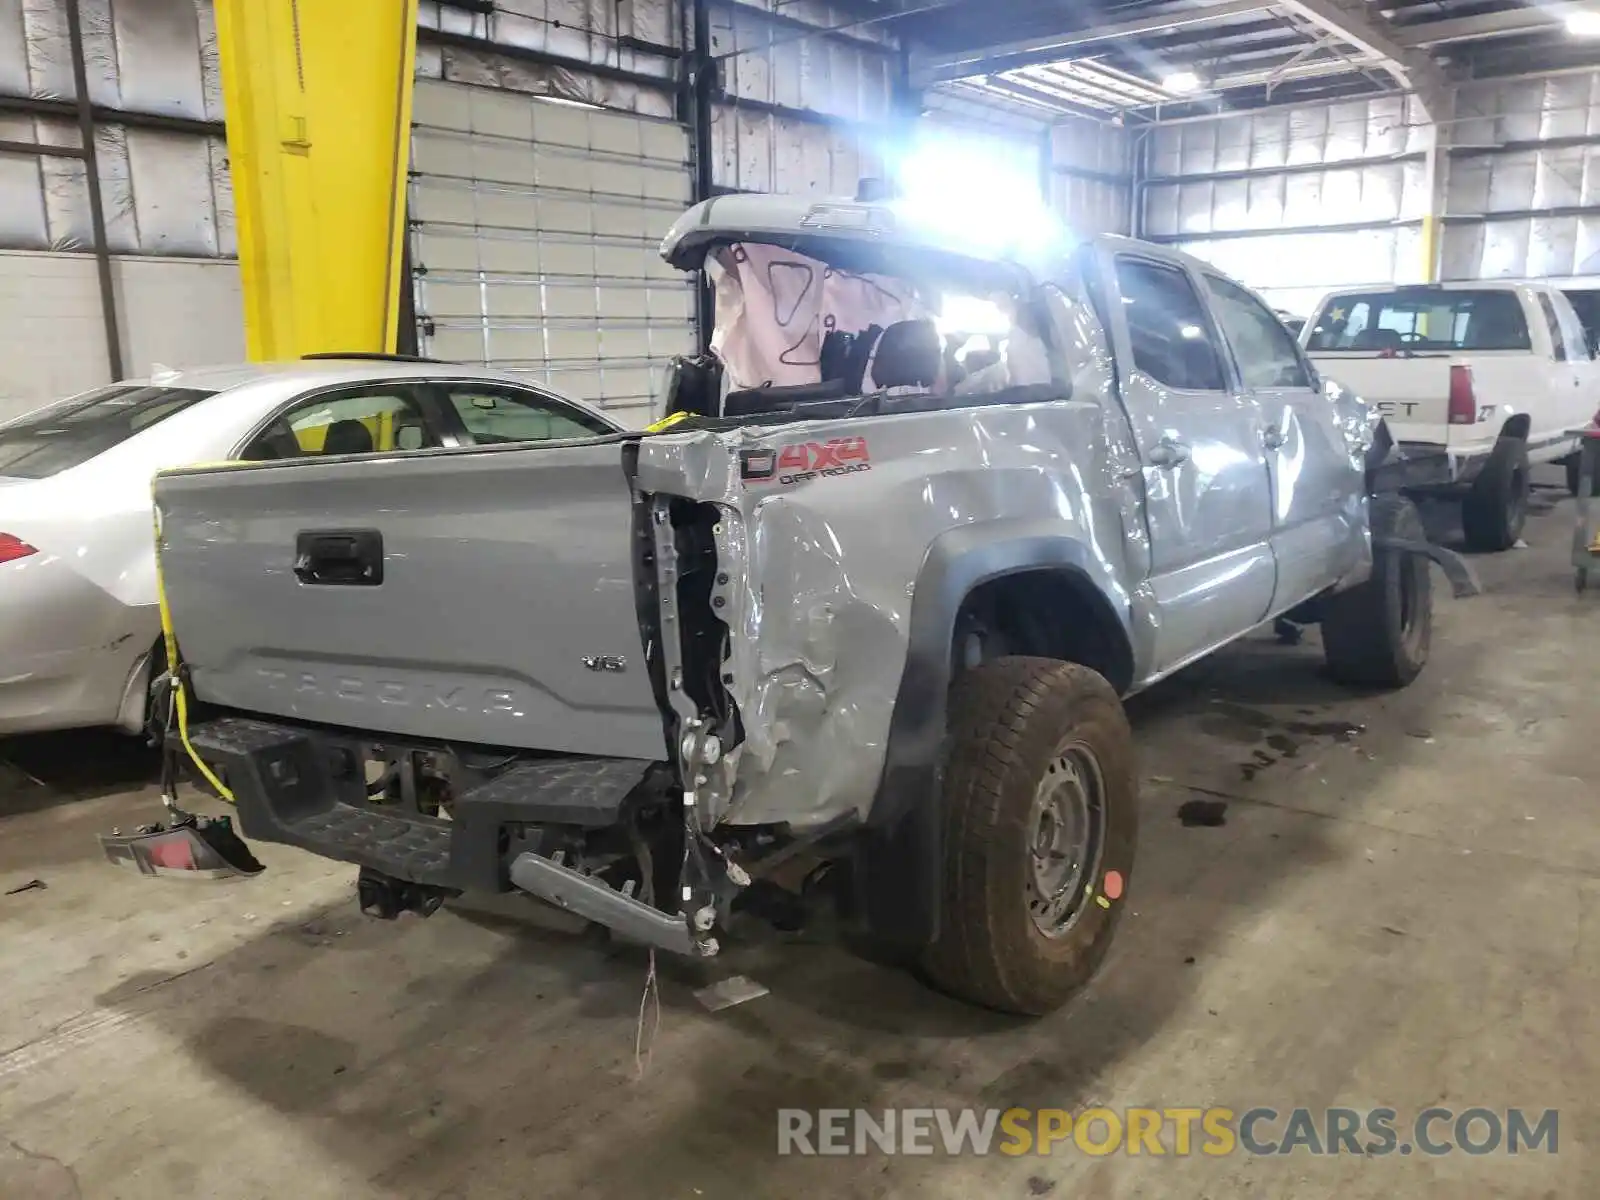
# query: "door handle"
{"points": [[339, 557], [1168, 453], [1272, 437]]}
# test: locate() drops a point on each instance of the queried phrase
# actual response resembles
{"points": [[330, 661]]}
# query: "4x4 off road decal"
{"points": [[798, 462]]}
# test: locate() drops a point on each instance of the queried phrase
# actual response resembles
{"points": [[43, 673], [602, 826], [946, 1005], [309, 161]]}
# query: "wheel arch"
{"points": [[899, 853], [1517, 427]]}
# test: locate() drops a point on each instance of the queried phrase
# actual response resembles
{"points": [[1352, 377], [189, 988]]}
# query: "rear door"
{"points": [[1317, 526], [482, 596], [1208, 496]]}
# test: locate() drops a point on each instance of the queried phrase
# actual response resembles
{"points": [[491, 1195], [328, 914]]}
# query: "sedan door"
{"points": [[1208, 499], [1318, 521]]}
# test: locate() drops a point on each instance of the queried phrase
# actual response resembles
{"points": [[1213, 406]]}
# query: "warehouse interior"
{"points": [[1346, 900]]}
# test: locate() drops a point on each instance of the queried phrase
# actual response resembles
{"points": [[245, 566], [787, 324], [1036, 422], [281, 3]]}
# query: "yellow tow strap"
{"points": [[170, 642], [666, 422]]}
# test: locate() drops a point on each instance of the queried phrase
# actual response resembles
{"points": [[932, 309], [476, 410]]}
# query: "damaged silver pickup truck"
{"points": [[852, 623]]}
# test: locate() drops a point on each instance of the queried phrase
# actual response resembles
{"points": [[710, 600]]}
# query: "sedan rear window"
{"points": [[1421, 319], [71, 432]]}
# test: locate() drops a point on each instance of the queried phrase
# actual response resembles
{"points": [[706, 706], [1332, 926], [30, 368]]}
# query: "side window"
{"points": [[381, 420], [495, 415], [1167, 326], [1572, 330], [1262, 347], [1558, 343]]}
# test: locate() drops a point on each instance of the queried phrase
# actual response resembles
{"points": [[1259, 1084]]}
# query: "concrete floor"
{"points": [[1402, 917]]}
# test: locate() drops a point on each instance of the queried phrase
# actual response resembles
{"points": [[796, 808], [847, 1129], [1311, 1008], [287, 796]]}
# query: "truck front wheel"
{"points": [[1378, 633], [1041, 816]]}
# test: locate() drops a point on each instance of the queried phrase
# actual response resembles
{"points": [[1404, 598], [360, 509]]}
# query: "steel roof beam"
{"points": [[942, 67], [1471, 29], [1352, 21]]}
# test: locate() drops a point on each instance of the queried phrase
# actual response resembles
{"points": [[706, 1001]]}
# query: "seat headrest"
{"points": [[349, 436], [909, 354], [845, 356]]}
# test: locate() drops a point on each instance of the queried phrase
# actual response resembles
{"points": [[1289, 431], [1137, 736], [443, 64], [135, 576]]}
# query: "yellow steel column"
{"points": [[1436, 178], [317, 95]]}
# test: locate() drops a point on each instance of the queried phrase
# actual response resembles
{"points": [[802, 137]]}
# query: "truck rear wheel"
{"points": [[1496, 506], [1378, 634], [1041, 817]]}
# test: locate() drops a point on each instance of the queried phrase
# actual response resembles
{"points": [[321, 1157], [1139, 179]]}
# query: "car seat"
{"points": [[908, 355], [348, 436]]}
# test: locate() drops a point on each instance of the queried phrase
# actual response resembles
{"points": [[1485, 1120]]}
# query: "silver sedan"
{"points": [[79, 627]]}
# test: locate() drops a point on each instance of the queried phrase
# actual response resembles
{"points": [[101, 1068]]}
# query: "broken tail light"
{"points": [[12, 547]]}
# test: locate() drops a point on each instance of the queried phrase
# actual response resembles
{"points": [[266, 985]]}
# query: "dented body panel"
{"points": [[822, 570]]}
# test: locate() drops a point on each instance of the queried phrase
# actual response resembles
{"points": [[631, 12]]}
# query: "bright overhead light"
{"points": [[1583, 22], [1181, 83]]}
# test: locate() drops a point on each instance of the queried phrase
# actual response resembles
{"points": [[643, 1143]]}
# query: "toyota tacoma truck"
{"points": [[851, 624], [1477, 382]]}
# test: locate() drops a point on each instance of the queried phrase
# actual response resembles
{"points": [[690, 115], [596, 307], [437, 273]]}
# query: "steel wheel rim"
{"points": [[1066, 839]]}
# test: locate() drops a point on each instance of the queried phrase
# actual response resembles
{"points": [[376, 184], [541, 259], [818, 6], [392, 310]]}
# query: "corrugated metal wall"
{"points": [[167, 190], [1524, 196], [1299, 201], [1294, 202], [153, 79], [807, 113], [1089, 175]]}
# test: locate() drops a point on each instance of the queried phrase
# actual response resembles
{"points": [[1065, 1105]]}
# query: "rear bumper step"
{"points": [[307, 788]]}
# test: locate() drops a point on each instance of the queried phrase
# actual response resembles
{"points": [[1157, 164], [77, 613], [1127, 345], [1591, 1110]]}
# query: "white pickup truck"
{"points": [[1476, 380]]}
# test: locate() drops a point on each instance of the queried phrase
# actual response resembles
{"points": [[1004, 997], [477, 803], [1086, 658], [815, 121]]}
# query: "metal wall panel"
{"points": [[763, 152], [166, 193], [581, 30], [535, 228], [817, 108], [1295, 270], [1330, 133], [774, 63], [1494, 198], [1513, 207], [1080, 150]]}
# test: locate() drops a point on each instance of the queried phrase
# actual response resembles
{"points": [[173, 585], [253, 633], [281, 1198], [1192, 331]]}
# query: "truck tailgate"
{"points": [[485, 597], [1412, 394]]}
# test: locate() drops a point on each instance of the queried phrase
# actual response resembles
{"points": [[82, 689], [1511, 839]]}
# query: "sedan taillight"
{"points": [[13, 547]]}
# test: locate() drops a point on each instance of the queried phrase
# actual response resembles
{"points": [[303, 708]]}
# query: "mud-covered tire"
{"points": [[1495, 507], [1014, 724], [1378, 633]]}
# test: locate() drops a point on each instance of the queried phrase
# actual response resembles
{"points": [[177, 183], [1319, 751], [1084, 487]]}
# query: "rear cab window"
{"points": [[70, 432], [1420, 320]]}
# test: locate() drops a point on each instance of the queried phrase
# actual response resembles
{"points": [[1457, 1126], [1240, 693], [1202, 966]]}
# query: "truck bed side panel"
{"points": [[502, 574]]}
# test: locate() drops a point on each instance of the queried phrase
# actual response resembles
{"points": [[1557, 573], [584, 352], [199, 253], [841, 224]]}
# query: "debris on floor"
{"points": [[33, 885], [725, 993], [1205, 813]]}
